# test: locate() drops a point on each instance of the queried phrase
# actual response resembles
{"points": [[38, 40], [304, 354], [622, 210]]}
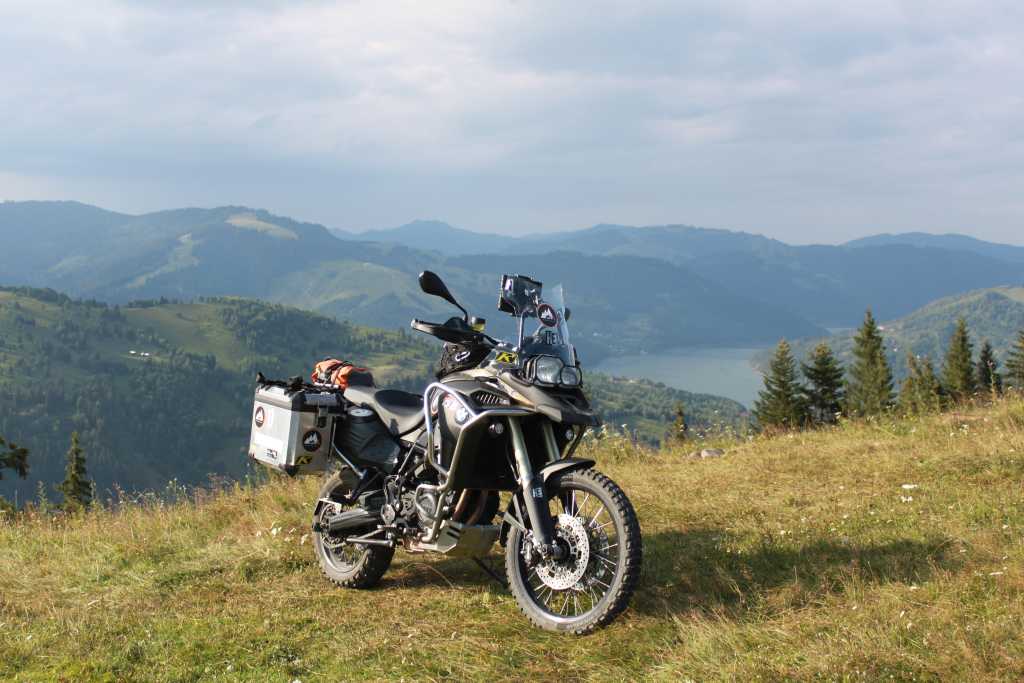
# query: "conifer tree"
{"points": [[13, 457], [780, 404], [870, 387], [987, 375], [680, 430], [958, 370], [824, 392], [76, 487], [1015, 362], [921, 392]]}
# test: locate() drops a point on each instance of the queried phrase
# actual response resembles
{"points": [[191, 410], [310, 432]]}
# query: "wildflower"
{"points": [[909, 487], [907, 499]]}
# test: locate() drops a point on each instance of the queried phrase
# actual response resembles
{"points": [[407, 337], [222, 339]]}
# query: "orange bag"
{"points": [[334, 371]]}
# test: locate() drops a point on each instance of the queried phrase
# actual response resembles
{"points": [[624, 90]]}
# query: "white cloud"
{"points": [[808, 120]]}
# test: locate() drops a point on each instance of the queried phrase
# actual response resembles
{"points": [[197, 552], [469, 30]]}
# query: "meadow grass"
{"points": [[889, 550]]}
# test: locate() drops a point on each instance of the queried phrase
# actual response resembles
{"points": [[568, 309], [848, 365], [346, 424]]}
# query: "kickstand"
{"points": [[491, 573]]}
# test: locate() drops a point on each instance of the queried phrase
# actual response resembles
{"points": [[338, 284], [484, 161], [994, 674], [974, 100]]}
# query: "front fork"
{"points": [[532, 486]]}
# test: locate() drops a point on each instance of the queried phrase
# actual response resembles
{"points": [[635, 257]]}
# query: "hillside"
{"points": [[182, 411], [239, 251], [995, 314], [883, 551], [160, 391]]}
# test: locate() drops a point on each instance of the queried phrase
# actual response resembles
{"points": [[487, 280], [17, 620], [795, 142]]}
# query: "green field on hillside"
{"points": [[889, 550]]}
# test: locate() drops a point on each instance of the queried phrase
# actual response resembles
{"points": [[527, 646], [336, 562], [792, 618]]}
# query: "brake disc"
{"points": [[565, 573]]}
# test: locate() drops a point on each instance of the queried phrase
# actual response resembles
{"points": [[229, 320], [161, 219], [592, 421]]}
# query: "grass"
{"points": [[889, 550]]}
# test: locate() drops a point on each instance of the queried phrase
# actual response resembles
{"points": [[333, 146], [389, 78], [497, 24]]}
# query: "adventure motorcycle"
{"points": [[427, 472]]}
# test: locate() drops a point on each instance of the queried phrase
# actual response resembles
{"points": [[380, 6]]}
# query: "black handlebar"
{"points": [[453, 332]]}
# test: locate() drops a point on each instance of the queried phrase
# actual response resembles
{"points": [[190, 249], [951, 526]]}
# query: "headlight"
{"points": [[547, 369], [571, 377]]}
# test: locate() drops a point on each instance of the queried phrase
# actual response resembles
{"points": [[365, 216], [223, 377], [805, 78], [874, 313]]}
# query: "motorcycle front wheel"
{"points": [[593, 581]]}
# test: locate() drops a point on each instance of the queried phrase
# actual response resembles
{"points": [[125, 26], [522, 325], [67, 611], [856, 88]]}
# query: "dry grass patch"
{"points": [[867, 551]]}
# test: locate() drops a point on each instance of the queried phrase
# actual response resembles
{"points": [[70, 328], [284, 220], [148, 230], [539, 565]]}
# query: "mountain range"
{"points": [[648, 288]]}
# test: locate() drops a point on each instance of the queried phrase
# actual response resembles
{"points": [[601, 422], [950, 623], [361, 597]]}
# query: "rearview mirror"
{"points": [[432, 284]]}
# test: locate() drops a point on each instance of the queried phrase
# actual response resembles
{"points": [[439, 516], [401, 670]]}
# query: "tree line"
{"points": [[820, 390], [77, 490]]}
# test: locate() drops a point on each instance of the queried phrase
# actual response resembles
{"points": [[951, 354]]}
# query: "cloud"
{"points": [[810, 121]]}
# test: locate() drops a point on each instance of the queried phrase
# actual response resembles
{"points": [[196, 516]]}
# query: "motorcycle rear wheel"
{"points": [[598, 527], [344, 564]]}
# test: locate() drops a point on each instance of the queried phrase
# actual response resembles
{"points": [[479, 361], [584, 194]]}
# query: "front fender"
{"points": [[564, 465]]}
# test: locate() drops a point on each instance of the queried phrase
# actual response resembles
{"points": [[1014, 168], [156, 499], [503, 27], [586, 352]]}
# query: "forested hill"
{"points": [[995, 315], [162, 390]]}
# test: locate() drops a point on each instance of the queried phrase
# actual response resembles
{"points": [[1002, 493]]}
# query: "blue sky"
{"points": [[806, 121]]}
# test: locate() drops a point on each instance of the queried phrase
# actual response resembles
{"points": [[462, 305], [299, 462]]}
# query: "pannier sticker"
{"points": [[304, 460], [311, 441], [271, 454], [506, 357], [260, 417]]}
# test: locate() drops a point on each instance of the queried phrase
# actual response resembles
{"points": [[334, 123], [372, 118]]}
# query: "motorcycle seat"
{"points": [[401, 411]]}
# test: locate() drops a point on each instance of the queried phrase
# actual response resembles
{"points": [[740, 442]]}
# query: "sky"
{"points": [[805, 121]]}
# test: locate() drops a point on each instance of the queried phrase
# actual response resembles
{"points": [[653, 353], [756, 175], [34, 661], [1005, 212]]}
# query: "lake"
{"points": [[721, 371]]}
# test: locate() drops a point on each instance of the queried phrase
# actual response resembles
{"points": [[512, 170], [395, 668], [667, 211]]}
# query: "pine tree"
{"points": [[13, 457], [780, 404], [921, 392], [76, 487], [870, 388], [824, 393], [958, 370], [988, 377], [1015, 362], [680, 430]]}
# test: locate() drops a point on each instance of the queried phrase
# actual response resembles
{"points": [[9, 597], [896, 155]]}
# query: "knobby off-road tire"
{"points": [[348, 566], [602, 513]]}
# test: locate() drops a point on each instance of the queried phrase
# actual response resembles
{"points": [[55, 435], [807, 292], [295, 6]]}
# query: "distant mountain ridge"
{"points": [[953, 241], [713, 286], [236, 251], [829, 285]]}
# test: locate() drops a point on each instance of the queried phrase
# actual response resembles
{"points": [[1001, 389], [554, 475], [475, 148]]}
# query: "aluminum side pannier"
{"points": [[293, 429]]}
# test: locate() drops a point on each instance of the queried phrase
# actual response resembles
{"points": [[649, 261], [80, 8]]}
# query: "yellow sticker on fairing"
{"points": [[506, 357]]}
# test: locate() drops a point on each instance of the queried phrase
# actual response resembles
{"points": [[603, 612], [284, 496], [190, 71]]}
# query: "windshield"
{"points": [[551, 337]]}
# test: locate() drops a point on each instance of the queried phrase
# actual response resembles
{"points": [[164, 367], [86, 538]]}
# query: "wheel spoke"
{"points": [[583, 505], [599, 511]]}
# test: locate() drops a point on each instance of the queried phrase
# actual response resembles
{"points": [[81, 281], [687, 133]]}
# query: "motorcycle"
{"points": [[428, 472]]}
